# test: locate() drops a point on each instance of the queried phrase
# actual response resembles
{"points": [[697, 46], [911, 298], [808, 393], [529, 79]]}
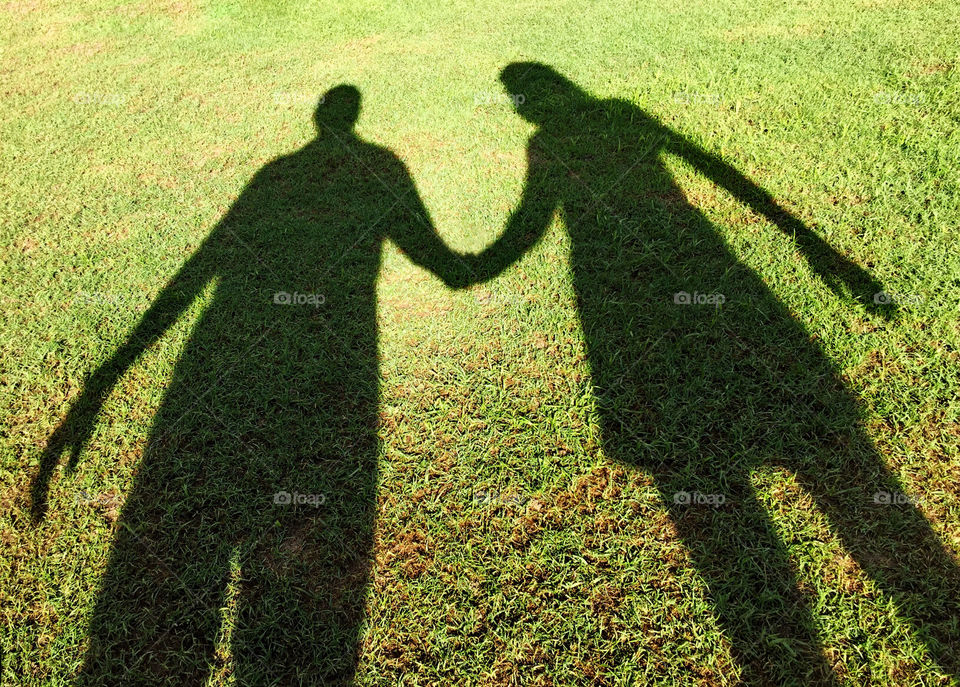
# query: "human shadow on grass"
{"points": [[699, 393], [249, 525]]}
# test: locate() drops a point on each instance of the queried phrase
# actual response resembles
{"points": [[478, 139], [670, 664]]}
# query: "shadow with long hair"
{"points": [[245, 543], [701, 375]]}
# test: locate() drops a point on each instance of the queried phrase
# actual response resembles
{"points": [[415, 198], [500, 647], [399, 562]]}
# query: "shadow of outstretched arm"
{"points": [[75, 430], [413, 232], [834, 269]]}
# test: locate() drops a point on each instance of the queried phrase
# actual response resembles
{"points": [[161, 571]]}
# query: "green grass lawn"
{"points": [[520, 457]]}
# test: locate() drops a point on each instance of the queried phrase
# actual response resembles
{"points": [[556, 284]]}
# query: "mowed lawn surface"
{"points": [[507, 545]]}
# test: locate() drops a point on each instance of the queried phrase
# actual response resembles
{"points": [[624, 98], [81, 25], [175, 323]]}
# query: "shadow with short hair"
{"points": [[244, 546]]}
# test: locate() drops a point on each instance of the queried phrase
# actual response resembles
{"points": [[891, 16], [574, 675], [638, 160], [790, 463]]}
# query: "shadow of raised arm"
{"points": [[834, 269]]}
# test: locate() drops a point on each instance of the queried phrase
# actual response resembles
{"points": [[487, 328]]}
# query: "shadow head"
{"points": [[338, 108], [539, 92]]}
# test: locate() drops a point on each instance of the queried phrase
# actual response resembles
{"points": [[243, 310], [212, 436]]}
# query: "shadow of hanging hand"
{"points": [[244, 545], [701, 375]]}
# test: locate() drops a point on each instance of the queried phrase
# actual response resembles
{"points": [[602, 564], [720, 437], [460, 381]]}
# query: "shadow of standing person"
{"points": [[245, 543], [701, 375]]}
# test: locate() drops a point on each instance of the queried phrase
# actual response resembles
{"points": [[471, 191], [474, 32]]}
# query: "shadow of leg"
{"points": [[754, 590], [303, 585], [891, 540], [157, 614], [301, 608]]}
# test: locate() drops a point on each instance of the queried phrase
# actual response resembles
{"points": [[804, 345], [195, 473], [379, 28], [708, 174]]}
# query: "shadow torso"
{"points": [[730, 378]]}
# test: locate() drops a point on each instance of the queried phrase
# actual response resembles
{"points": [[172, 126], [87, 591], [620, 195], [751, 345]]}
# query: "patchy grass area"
{"points": [[536, 466]]}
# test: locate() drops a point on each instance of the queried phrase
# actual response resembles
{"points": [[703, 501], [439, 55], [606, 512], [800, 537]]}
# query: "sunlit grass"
{"points": [[508, 548]]}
